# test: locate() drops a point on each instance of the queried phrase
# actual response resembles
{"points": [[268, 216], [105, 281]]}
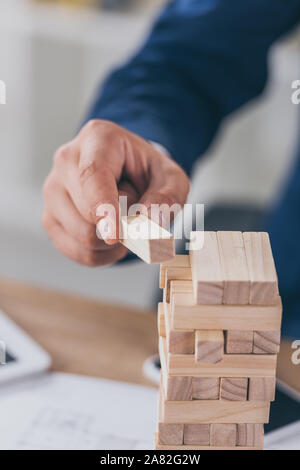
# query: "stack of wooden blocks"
{"points": [[219, 326]]}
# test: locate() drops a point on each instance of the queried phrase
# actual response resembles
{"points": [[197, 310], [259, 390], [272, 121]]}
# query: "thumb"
{"points": [[125, 188], [100, 192]]}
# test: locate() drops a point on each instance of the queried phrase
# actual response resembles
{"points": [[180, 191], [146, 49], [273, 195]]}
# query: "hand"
{"points": [[103, 162]]}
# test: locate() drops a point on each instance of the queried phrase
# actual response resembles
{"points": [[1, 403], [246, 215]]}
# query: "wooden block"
{"points": [[223, 435], [196, 434], [266, 342], [185, 314], [179, 341], [234, 388], [262, 388], [177, 287], [178, 262], [232, 365], [166, 292], [184, 448], [178, 274], [170, 434], [263, 277], [180, 286], [250, 435], [162, 344], [179, 388], [234, 268], [182, 279], [239, 342], [172, 287], [161, 320], [175, 388], [213, 411], [209, 346], [206, 388], [146, 239], [206, 268]]}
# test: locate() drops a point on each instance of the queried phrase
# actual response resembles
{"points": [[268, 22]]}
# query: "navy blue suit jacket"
{"points": [[202, 60]]}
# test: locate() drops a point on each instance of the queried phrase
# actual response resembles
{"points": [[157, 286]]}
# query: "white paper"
{"points": [[286, 438], [64, 411]]}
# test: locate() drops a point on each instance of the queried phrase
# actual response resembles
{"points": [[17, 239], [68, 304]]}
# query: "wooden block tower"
{"points": [[219, 326]]}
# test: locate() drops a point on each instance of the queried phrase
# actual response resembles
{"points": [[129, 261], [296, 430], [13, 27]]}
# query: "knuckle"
{"points": [[89, 169], [92, 125], [62, 155], [86, 171], [106, 128]]}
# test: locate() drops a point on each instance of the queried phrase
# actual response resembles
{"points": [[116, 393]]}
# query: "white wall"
{"points": [[51, 61]]}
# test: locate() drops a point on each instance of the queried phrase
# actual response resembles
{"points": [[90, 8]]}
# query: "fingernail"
{"points": [[104, 229], [99, 211]]}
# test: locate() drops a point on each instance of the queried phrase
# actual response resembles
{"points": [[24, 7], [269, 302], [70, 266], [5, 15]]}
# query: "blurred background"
{"points": [[53, 54]]}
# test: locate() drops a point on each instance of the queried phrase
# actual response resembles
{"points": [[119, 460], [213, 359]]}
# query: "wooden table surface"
{"points": [[83, 336], [88, 337]]}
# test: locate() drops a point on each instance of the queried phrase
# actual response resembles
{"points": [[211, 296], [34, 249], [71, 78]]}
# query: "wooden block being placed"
{"points": [[232, 365], [170, 434], [146, 239], [234, 268], [178, 388], [266, 342], [234, 389], [179, 262], [196, 434], [209, 346], [223, 435], [239, 342], [250, 435], [179, 341], [263, 277], [206, 388], [206, 268], [185, 314], [262, 388], [161, 320]]}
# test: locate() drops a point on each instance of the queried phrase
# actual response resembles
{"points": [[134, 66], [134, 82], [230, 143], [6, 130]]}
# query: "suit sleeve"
{"points": [[201, 61]]}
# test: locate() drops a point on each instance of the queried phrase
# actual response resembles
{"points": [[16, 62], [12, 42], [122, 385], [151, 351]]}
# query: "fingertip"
{"points": [[106, 231], [111, 241]]}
